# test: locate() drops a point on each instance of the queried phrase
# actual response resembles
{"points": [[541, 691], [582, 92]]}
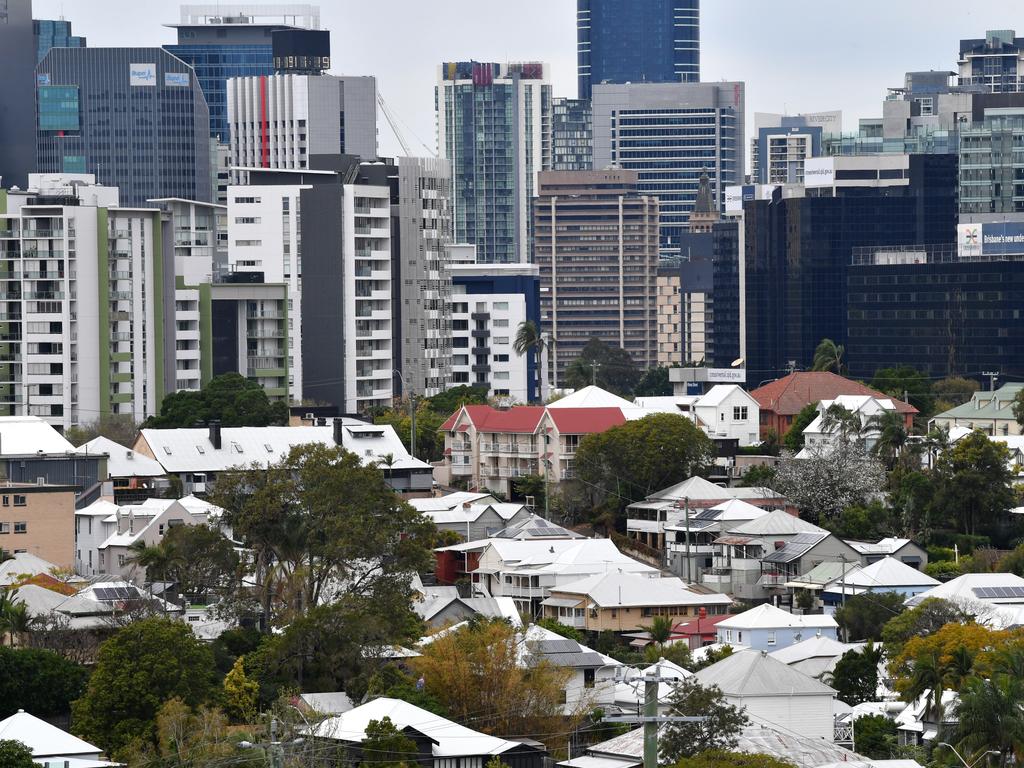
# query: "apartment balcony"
{"points": [[462, 469]]}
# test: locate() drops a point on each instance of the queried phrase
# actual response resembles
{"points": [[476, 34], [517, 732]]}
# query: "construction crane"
{"points": [[393, 122]]}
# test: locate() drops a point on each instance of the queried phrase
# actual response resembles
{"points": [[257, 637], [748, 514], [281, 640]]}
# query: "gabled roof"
{"points": [[448, 502], [609, 590], [887, 546], [996, 588], [536, 527], [718, 394], [767, 616], [23, 563], [986, 405], [788, 395], [449, 739], [591, 397], [795, 548], [43, 739], [697, 488], [755, 673], [887, 572], [776, 523], [737, 509], [22, 435], [820, 575], [123, 462], [586, 421], [522, 419], [813, 647]]}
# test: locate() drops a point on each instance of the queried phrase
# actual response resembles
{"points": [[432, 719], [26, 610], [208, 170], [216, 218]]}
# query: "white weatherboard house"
{"points": [[767, 628], [815, 656], [774, 693], [994, 589], [885, 575], [49, 744]]}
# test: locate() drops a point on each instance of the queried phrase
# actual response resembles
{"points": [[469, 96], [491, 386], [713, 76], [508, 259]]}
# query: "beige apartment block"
{"points": [[40, 520]]}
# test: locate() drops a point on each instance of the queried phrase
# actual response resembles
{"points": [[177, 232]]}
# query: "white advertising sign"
{"points": [[968, 240], [142, 74], [819, 172], [727, 375]]}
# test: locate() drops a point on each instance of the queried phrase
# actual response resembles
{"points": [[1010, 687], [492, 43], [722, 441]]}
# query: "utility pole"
{"points": [[593, 372], [412, 424], [275, 746], [686, 514], [992, 375]]}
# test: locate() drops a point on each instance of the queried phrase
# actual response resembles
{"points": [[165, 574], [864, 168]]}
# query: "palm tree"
{"points": [[842, 420], [154, 559], [661, 629], [15, 620], [990, 715], [828, 356], [529, 337], [892, 435], [927, 680], [959, 668]]}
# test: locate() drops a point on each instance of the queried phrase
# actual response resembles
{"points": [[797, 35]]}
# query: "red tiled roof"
{"points": [[585, 421], [707, 625], [521, 418], [788, 395]]}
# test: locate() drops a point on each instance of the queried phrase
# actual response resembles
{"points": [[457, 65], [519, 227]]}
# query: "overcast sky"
{"points": [[795, 55]]}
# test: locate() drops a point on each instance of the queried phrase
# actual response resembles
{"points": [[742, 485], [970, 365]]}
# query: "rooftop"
{"points": [[776, 523], [123, 462], [788, 395], [755, 673], [996, 588], [608, 590], [23, 435], [43, 739], [767, 616], [887, 572]]}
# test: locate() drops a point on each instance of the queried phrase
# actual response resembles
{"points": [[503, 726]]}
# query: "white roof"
{"points": [[333, 703], [123, 462], [887, 546], [23, 563], [965, 589], [767, 616], [737, 509], [630, 589], [887, 572], [190, 450], [449, 501], [719, 393], [43, 739], [678, 404], [99, 508], [812, 648], [450, 739], [580, 556], [20, 435], [776, 523], [460, 516], [755, 673], [592, 397]]}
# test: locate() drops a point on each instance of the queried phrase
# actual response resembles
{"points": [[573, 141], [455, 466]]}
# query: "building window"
{"points": [[21, 527], [739, 413], [5, 527], [19, 500], [771, 638], [120, 561]]}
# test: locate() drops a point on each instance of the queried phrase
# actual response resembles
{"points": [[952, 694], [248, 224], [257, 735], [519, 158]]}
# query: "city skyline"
{"points": [[740, 40]]}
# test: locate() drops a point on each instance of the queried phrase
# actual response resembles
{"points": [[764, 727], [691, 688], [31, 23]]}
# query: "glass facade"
{"points": [[572, 146], [143, 125], [50, 33], [625, 41]]}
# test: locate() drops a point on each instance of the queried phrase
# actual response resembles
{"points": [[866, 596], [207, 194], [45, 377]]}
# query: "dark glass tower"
{"points": [[626, 41], [54, 33]]}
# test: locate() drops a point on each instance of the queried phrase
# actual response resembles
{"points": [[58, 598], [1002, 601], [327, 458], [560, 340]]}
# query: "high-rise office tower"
{"points": [[54, 33], [572, 135], [995, 62], [281, 121], [625, 41], [17, 62], [782, 143], [597, 249], [134, 117], [493, 127], [223, 41], [672, 134]]}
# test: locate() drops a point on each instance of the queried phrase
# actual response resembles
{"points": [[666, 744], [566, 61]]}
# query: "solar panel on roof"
{"points": [[990, 593]]}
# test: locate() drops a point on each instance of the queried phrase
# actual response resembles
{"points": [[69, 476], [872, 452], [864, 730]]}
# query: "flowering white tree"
{"points": [[830, 479]]}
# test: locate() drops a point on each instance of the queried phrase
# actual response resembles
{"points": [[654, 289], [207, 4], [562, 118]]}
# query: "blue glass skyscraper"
{"points": [[631, 41], [54, 33]]}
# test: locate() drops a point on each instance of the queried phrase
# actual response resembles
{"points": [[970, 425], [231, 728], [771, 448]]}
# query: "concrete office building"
{"points": [[781, 144], [597, 249], [572, 145], [422, 282], [222, 41], [672, 134], [281, 121], [88, 303], [17, 94], [489, 302], [133, 117], [493, 127], [995, 63], [54, 33], [620, 41]]}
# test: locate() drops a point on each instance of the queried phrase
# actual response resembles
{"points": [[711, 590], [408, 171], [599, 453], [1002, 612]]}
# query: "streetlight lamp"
{"points": [[412, 412], [977, 760]]}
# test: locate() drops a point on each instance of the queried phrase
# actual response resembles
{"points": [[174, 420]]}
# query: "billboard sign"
{"points": [[819, 172], [142, 74], [43, 78], [176, 79], [735, 196], [1004, 238], [968, 240], [727, 375]]}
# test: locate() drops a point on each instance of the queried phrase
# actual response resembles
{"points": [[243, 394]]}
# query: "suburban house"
{"points": [[473, 520], [629, 692], [991, 412], [774, 693], [197, 456], [781, 400], [798, 555], [133, 475], [738, 566], [440, 609], [699, 632], [767, 628], [689, 544], [978, 590], [814, 656], [592, 681], [50, 745], [440, 743], [906, 551], [885, 575], [916, 725], [724, 412], [626, 602], [105, 531], [649, 520], [38, 518], [75, 611], [865, 408]]}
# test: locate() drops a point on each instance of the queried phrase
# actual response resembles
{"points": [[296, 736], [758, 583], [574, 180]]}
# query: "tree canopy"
{"points": [[654, 382], [908, 384], [230, 398], [720, 730], [608, 367], [794, 437], [863, 616], [855, 676], [119, 427], [828, 356], [833, 478], [720, 758], [38, 681], [14, 754], [973, 485]]}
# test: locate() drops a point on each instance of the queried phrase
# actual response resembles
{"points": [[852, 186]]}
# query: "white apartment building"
{"points": [[280, 121], [85, 287]]}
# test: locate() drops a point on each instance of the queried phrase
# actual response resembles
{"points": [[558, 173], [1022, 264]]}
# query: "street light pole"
{"points": [[960, 757], [412, 412]]}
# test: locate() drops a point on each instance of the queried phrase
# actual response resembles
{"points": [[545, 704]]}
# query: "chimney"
{"points": [[779, 544], [215, 434], [339, 432]]}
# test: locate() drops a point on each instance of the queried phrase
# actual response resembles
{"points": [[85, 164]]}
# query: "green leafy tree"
{"points": [[38, 681], [720, 758], [869, 522], [954, 391], [908, 384], [990, 715], [926, 618], [712, 657], [659, 450], [759, 476], [793, 440], [429, 438], [554, 625], [529, 340], [653, 383], [855, 676], [864, 616], [1018, 407], [196, 738], [974, 485], [828, 356], [198, 558], [387, 747], [608, 367], [119, 427], [529, 485], [139, 669], [14, 754], [241, 695], [232, 644], [874, 736], [230, 398], [452, 399], [660, 629], [391, 681], [892, 436], [720, 729]]}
